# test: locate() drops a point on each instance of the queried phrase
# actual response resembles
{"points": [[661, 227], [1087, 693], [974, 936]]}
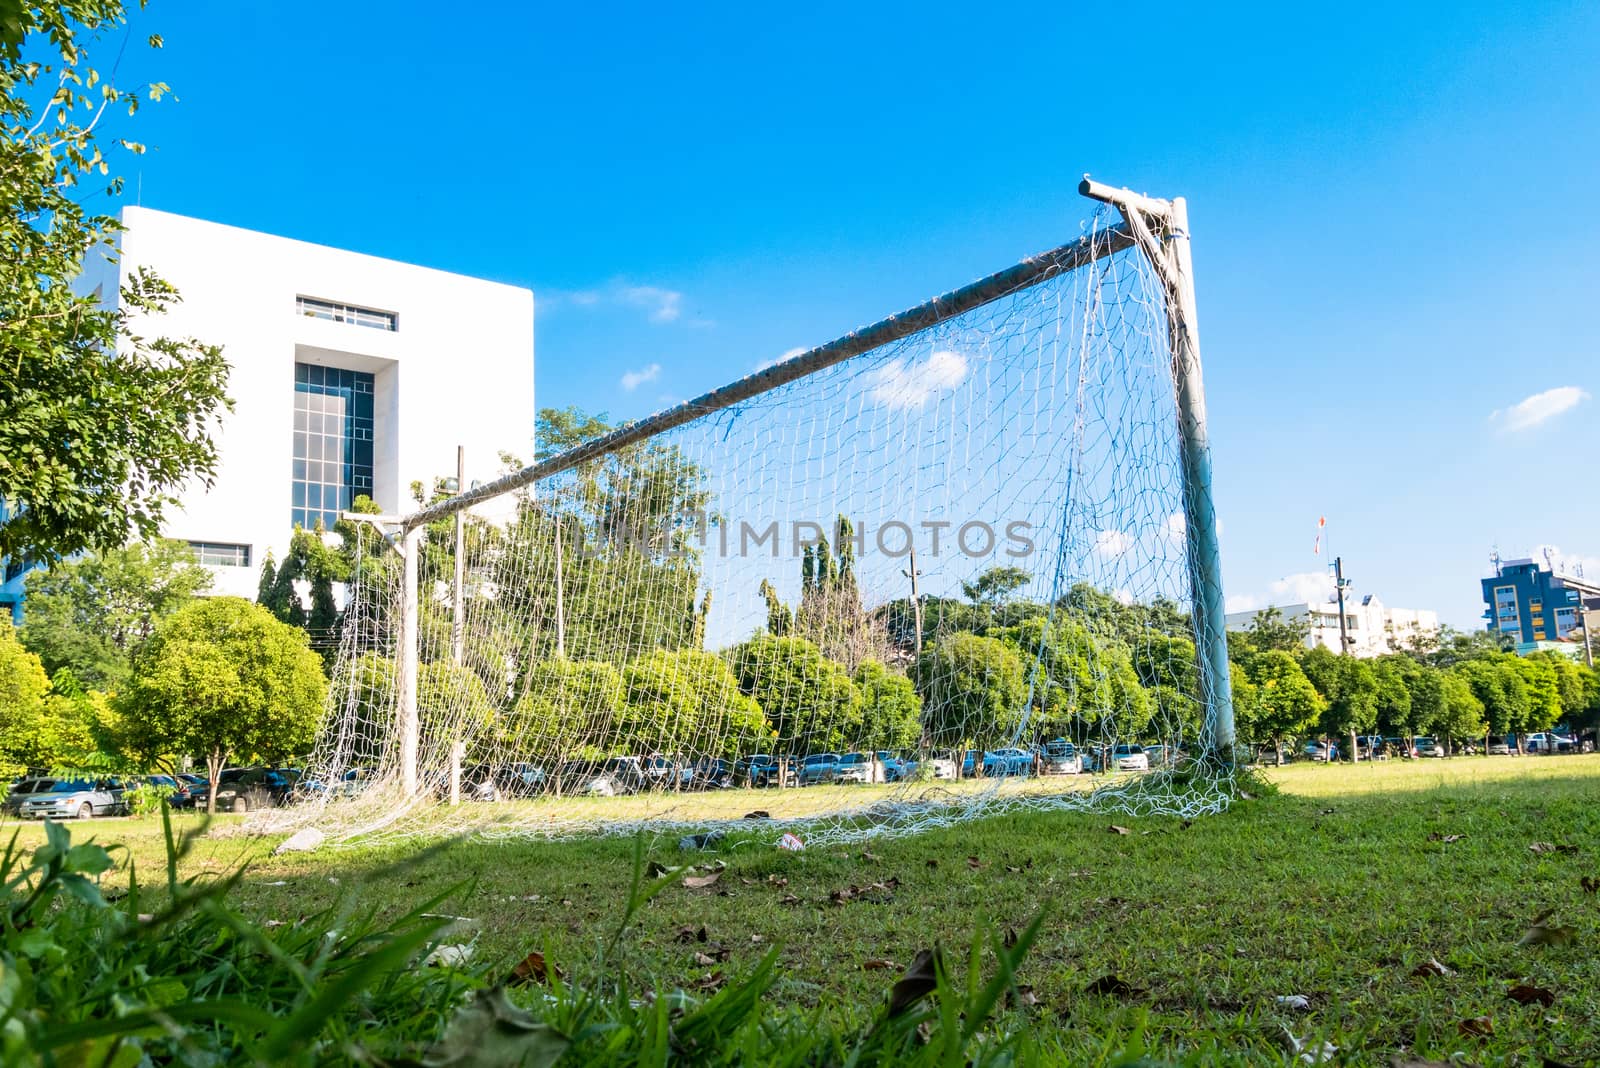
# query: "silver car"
{"points": [[61, 799]]}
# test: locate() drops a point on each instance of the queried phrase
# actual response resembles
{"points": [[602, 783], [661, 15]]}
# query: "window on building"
{"points": [[1566, 621], [1506, 614], [347, 313], [221, 553], [332, 442]]}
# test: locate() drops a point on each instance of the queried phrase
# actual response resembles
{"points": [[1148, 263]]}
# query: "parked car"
{"points": [[250, 789], [1320, 751], [348, 783], [1002, 763], [971, 761], [1060, 757], [1401, 747], [710, 773], [1163, 756], [60, 799], [1425, 745], [1501, 747], [854, 767], [939, 767], [1547, 742], [178, 790], [895, 767], [521, 779], [664, 773], [603, 778], [760, 769], [818, 767], [1130, 758]]}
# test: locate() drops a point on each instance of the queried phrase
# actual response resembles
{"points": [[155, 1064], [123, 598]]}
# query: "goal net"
{"points": [[941, 566]]}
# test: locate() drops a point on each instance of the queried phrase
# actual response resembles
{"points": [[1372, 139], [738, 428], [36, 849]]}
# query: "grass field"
{"points": [[1335, 890]]}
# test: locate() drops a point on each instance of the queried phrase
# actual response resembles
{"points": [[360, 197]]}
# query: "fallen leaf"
{"points": [[758, 814], [777, 880], [1011, 937], [1527, 994], [1543, 848], [919, 980], [489, 1030], [974, 863], [788, 899], [532, 969], [1292, 1001], [700, 882], [1186, 824], [869, 856], [1541, 933], [1114, 829], [931, 863], [1590, 886], [1111, 986], [657, 870], [1432, 967], [1438, 836], [455, 955], [1025, 996], [1476, 1027], [710, 981], [879, 964], [704, 960], [756, 939]]}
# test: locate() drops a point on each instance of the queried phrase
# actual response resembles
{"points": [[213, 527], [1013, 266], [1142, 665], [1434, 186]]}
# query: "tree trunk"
{"points": [[1277, 747], [1355, 750], [214, 760]]}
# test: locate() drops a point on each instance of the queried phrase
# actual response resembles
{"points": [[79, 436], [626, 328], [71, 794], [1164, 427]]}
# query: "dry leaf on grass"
{"points": [[1590, 886], [1431, 967], [758, 814], [869, 856], [931, 863], [533, 969], [919, 980], [1476, 1027], [1292, 1001], [1023, 996], [1438, 836], [777, 880], [1543, 848], [879, 964], [1114, 829], [788, 899], [1527, 994], [974, 863], [1112, 986], [710, 982], [700, 882], [1541, 933]]}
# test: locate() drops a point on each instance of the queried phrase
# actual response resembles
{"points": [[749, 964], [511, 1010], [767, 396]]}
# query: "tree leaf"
{"points": [[1527, 994], [490, 1032], [919, 980], [1432, 967]]}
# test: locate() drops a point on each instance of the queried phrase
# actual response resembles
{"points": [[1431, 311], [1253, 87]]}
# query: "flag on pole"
{"points": [[1316, 546]]}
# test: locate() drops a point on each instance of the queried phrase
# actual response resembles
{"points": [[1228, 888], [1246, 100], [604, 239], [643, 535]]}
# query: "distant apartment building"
{"points": [[351, 376], [1536, 606], [1372, 627]]}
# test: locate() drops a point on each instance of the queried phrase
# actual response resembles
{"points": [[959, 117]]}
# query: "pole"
{"points": [[1171, 257], [1344, 643], [911, 572], [458, 613], [561, 609], [411, 546]]}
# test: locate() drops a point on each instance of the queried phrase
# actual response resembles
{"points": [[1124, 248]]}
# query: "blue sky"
{"points": [[1396, 242]]}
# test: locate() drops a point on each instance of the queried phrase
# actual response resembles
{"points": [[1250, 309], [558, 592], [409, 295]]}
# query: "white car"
{"points": [[940, 767], [1130, 758], [854, 767], [62, 799]]}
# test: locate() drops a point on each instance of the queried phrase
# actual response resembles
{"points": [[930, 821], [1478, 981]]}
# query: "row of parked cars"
{"points": [[76, 797], [1372, 747]]}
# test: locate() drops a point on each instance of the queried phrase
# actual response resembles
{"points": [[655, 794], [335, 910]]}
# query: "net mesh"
{"points": [[939, 578]]}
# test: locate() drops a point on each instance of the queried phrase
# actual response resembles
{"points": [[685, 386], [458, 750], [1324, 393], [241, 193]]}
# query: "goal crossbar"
{"points": [[957, 302]]}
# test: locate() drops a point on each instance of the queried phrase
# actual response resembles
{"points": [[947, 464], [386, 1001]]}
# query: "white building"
{"points": [[1373, 628], [350, 375]]}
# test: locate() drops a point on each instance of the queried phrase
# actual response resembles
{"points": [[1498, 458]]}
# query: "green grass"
{"points": [[1334, 889]]}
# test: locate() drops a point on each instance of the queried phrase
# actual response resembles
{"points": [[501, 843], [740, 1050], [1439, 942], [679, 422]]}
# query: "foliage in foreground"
{"points": [[87, 978]]}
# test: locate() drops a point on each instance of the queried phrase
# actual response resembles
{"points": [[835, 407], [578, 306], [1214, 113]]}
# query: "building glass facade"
{"points": [[332, 442]]}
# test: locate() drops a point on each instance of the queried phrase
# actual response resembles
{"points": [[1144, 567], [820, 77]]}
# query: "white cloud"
{"points": [[1539, 408], [585, 297], [1110, 544], [786, 355], [902, 385], [1566, 563], [632, 380], [664, 305], [1174, 528], [1242, 602]]}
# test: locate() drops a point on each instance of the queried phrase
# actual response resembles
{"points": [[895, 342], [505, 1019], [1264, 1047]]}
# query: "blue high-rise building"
{"points": [[1534, 605]]}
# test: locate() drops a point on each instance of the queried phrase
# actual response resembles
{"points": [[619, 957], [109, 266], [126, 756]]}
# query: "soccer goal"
{"points": [[962, 559]]}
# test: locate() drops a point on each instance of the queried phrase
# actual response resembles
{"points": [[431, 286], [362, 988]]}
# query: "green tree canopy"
{"points": [[891, 712], [86, 614], [809, 701], [223, 678], [100, 423], [1285, 703], [23, 685], [973, 689], [569, 705], [688, 702]]}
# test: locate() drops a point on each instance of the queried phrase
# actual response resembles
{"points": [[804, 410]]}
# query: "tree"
{"points": [[780, 618], [891, 712], [23, 685], [569, 704], [86, 614], [1498, 686], [452, 706], [972, 688], [1349, 690], [830, 612], [1083, 680], [1285, 701], [809, 700], [1460, 713], [223, 678], [993, 586], [1269, 630], [688, 702], [100, 425]]}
